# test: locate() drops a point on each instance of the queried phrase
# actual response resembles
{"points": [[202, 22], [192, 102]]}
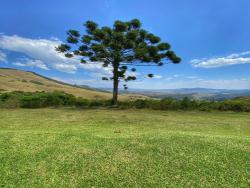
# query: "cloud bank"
{"points": [[26, 62], [41, 53], [233, 59]]}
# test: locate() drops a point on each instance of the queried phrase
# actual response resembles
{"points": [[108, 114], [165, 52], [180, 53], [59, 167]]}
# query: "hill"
{"points": [[245, 100], [18, 80]]}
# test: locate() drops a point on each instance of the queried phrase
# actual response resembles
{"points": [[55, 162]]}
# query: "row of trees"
{"points": [[55, 99], [239, 105]]}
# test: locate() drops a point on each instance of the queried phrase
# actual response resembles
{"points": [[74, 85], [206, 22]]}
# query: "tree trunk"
{"points": [[115, 84]]}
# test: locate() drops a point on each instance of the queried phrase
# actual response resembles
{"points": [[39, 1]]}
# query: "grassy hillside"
{"points": [[17, 80], [245, 100], [123, 148]]}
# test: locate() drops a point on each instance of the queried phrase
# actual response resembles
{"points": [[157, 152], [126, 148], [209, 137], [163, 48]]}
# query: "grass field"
{"points": [[123, 148]]}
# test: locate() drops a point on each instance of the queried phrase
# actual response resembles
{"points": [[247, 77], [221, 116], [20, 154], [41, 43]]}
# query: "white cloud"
{"points": [[174, 77], [70, 68], [19, 64], [241, 83], [156, 76], [233, 59], [239, 54], [3, 57], [44, 51], [93, 82], [26, 62]]}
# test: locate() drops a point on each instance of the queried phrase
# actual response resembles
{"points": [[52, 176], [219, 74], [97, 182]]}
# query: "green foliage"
{"points": [[150, 75], [36, 99], [124, 44], [41, 99], [63, 48], [10, 100], [80, 102], [188, 104], [47, 99]]}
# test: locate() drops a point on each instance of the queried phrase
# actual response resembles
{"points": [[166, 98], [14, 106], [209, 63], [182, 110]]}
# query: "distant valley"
{"points": [[193, 93]]}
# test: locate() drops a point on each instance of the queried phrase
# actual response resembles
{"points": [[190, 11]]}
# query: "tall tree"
{"points": [[122, 47]]}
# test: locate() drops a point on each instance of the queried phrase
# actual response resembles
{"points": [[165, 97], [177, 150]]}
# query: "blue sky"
{"points": [[211, 36]]}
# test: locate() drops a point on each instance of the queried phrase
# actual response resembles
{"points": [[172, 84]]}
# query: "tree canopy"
{"points": [[122, 47]]}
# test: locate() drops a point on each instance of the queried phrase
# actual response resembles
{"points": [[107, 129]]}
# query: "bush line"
{"points": [[19, 99]]}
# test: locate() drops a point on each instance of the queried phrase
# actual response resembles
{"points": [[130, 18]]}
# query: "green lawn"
{"points": [[123, 148]]}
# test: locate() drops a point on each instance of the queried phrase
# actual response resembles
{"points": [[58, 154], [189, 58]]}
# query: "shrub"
{"points": [[36, 99], [32, 102], [100, 103], [80, 102]]}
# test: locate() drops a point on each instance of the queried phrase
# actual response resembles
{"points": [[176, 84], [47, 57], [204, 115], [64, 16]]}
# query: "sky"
{"points": [[211, 36]]}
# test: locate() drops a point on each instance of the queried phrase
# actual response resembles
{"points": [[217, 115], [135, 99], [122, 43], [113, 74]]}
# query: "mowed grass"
{"points": [[123, 148]]}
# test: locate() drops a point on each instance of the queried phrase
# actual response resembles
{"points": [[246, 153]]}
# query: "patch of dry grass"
{"points": [[17, 80]]}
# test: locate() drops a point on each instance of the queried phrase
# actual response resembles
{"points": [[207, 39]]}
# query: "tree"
{"points": [[122, 47]]}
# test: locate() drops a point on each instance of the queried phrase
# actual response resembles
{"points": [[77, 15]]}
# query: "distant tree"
{"points": [[122, 47]]}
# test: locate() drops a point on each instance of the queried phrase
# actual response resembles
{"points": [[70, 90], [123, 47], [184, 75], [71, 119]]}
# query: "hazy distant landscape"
{"points": [[193, 93]]}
